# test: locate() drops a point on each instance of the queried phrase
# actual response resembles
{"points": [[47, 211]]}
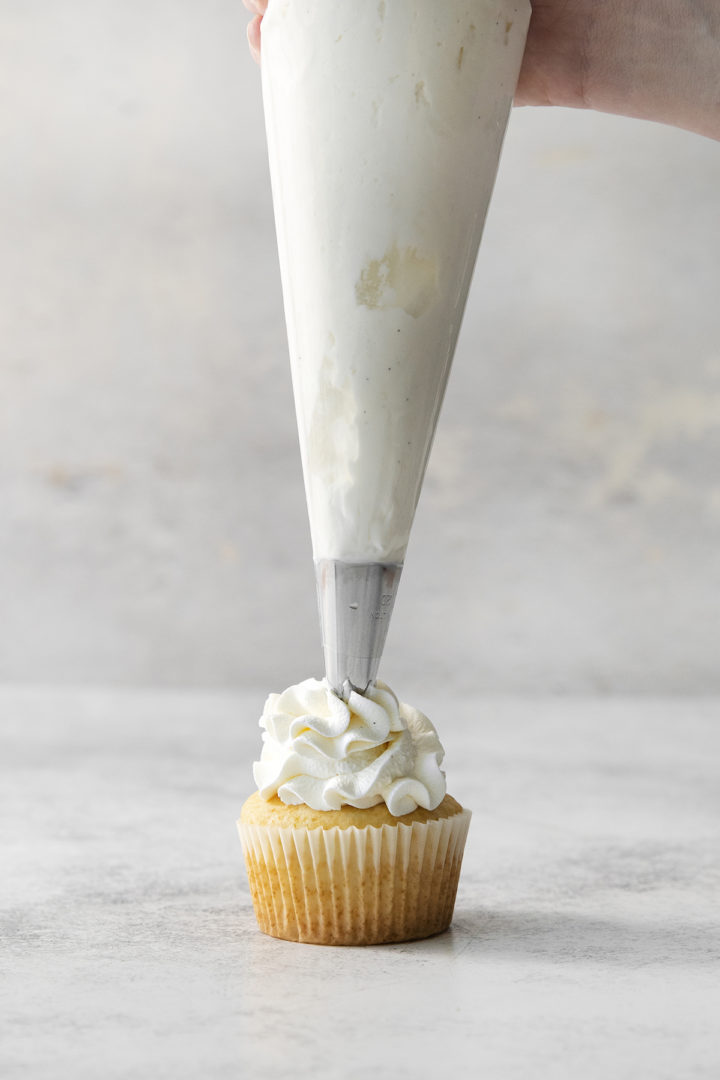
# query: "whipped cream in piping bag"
{"points": [[384, 124], [327, 753]]}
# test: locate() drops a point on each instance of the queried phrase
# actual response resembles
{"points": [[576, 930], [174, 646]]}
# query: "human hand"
{"points": [[633, 57], [640, 58], [258, 8]]}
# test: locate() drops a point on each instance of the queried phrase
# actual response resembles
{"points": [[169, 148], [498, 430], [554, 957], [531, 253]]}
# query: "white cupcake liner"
{"points": [[355, 886]]}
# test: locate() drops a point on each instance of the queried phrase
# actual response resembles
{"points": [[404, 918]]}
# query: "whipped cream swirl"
{"points": [[328, 753]]}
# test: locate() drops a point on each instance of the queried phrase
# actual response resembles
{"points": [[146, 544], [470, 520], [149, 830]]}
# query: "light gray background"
{"points": [[152, 522]]}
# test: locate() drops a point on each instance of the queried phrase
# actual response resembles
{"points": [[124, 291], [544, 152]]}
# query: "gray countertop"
{"points": [[586, 940]]}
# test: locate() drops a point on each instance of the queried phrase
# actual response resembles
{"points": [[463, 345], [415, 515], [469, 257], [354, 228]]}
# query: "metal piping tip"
{"points": [[356, 601]]}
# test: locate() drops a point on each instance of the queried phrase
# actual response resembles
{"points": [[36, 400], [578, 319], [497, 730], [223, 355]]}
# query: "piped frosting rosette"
{"points": [[328, 753]]}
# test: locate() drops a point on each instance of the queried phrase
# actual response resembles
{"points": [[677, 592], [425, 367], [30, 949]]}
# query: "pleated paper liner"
{"points": [[355, 886]]}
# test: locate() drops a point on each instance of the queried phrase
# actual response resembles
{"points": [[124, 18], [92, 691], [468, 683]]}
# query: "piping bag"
{"points": [[385, 122]]}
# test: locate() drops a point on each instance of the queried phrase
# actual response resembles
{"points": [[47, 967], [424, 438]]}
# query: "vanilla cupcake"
{"points": [[351, 838]]}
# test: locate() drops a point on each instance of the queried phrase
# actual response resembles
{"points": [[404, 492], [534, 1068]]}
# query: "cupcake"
{"points": [[351, 838]]}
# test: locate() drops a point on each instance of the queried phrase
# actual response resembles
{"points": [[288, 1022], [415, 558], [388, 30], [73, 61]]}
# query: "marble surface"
{"points": [[586, 941]]}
